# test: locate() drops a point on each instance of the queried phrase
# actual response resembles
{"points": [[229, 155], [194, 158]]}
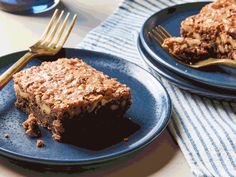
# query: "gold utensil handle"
{"points": [[228, 62], [7, 75], [215, 61]]}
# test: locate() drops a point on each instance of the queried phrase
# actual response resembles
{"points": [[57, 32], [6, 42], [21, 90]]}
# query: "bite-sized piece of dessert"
{"points": [[214, 25], [31, 127], [188, 50], [68, 94]]}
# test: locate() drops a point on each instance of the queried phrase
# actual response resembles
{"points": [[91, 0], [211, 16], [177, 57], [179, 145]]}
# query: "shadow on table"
{"points": [[151, 160]]}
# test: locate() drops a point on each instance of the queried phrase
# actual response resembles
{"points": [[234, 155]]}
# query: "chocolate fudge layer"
{"points": [[214, 26], [67, 94]]}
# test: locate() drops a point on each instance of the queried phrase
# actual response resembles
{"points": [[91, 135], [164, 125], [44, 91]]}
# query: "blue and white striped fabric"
{"points": [[204, 129]]}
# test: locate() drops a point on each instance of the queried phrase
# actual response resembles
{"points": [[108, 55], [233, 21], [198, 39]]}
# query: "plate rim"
{"points": [[177, 82], [173, 68], [103, 158]]}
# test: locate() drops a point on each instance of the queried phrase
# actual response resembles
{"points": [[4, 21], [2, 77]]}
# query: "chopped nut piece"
{"points": [[114, 107], [126, 139]]}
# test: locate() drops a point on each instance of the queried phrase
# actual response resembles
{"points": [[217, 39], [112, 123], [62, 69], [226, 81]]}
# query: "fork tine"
{"points": [[161, 33], [155, 38], [54, 29], [158, 34], [52, 44], [49, 25], [68, 32], [164, 31]]}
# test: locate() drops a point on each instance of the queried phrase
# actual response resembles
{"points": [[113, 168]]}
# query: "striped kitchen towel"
{"points": [[204, 129]]}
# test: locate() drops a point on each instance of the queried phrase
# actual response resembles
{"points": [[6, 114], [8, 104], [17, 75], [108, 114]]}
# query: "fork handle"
{"points": [[7, 75], [228, 62]]}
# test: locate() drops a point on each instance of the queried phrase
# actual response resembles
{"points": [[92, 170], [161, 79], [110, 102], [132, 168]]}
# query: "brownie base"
{"points": [[65, 127]]}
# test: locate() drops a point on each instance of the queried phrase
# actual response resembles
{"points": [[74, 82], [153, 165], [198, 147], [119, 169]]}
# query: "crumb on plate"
{"points": [[40, 143], [31, 127], [6, 135]]}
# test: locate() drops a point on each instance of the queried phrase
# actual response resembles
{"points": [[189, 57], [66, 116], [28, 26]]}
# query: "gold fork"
{"points": [[50, 43], [159, 34]]}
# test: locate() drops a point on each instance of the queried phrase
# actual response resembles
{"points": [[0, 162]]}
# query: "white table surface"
{"points": [[162, 158]]}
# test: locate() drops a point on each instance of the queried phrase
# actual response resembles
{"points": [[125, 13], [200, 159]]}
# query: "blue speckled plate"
{"points": [[149, 115], [184, 83], [170, 18]]}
